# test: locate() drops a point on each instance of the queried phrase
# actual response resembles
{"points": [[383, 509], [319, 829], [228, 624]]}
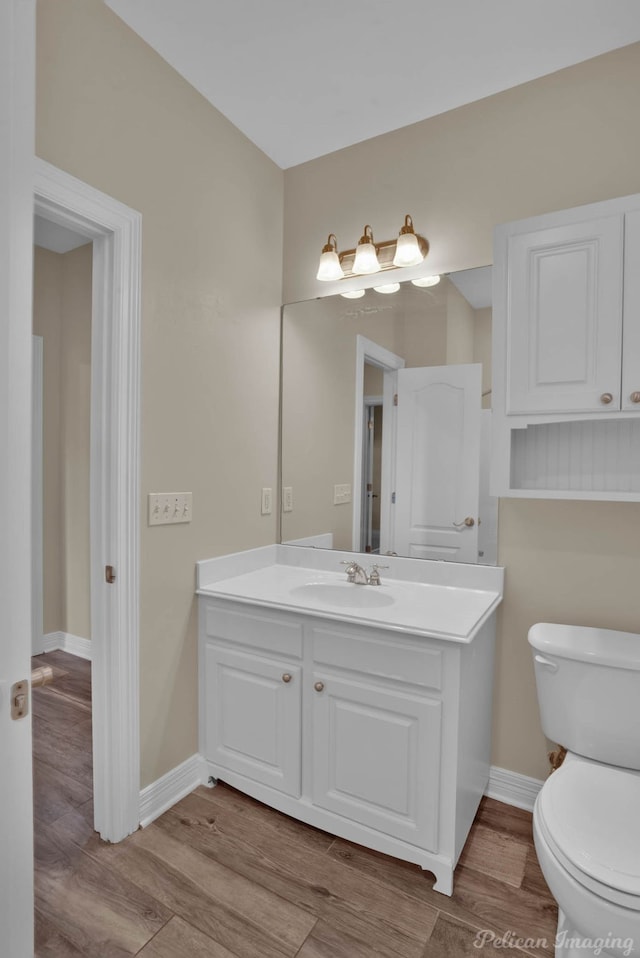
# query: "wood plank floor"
{"points": [[221, 876]]}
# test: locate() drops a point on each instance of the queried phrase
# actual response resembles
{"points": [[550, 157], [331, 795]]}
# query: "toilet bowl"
{"points": [[586, 828], [586, 820]]}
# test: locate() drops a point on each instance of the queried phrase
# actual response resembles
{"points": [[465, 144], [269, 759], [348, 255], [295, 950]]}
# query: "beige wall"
{"points": [[111, 112], [62, 316], [557, 142], [75, 421], [47, 322]]}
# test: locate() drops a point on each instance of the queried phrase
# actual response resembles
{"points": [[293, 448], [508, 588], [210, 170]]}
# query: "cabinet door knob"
{"points": [[286, 677], [635, 397], [319, 686], [606, 398]]}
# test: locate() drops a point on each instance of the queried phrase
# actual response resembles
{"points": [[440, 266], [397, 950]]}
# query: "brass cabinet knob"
{"points": [[635, 397], [606, 398], [319, 686], [286, 677]]}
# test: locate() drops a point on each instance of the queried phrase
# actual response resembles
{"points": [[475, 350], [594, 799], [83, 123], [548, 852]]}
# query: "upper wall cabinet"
{"points": [[566, 335]]}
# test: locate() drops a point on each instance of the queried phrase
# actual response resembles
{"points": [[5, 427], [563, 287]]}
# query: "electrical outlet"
{"points": [[287, 499], [341, 493], [267, 502], [166, 508]]}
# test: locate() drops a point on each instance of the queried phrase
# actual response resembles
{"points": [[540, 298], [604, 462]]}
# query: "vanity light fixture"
{"points": [[425, 281], [366, 258], [409, 249], [408, 252], [353, 294], [329, 267], [387, 288]]}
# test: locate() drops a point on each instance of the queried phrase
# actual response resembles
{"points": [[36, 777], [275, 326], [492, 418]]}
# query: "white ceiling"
{"points": [[58, 239], [302, 78]]}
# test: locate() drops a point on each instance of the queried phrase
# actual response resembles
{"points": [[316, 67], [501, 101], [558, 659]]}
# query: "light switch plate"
{"points": [[341, 493], [266, 503], [287, 498], [166, 508]]}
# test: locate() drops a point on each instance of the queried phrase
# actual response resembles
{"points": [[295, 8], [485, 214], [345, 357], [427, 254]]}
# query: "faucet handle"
{"points": [[351, 570], [374, 575]]}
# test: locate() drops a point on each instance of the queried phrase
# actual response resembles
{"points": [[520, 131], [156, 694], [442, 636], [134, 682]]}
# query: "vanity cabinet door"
{"points": [[564, 316], [253, 717], [376, 757]]}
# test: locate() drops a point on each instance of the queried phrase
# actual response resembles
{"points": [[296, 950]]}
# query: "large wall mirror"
{"points": [[386, 409]]}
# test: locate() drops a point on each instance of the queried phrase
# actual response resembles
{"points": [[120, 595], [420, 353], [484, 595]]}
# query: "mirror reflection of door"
{"points": [[438, 451], [372, 474]]}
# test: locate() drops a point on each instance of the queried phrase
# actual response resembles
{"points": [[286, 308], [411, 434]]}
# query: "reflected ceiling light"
{"points": [[329, 267], [408, 252], [353, 294], [426, 281], [387, 288], [369, 257]]}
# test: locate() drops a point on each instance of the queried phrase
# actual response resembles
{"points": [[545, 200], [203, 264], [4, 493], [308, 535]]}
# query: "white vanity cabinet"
{"points": [[381, 737], [566, 342]]}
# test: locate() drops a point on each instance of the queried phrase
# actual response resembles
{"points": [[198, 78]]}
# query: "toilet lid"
{"points": [[592, 814]]}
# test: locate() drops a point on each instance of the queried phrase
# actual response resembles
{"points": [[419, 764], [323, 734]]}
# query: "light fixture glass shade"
{"points": [[408, 252], [353, 294], [366, 259], [329, 267], [387, 288], [426, 281]]}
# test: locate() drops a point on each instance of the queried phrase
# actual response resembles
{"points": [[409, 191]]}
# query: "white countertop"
{"points": [[438, 608]]}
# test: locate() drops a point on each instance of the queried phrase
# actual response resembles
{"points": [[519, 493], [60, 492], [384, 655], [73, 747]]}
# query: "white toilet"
{"points": [[586, 820]]}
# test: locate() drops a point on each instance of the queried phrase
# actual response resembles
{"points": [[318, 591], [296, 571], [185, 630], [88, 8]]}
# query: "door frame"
{"points": [[115, 230], [369, 352], [37, 533]]}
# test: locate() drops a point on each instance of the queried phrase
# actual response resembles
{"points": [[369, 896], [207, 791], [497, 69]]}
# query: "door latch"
{"points": [[20, 699], [110, 574]]}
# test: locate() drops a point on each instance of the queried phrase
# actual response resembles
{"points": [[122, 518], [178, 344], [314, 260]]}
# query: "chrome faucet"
{"points": [[356, 574]]}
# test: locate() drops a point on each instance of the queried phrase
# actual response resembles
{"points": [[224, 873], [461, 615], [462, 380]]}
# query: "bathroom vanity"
{"points": [[364, 710]]}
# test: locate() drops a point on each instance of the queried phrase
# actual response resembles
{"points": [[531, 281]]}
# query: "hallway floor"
{"points": [[222, 876]]}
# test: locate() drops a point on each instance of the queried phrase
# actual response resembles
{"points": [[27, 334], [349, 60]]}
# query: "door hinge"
{"points": [[20, 699], [393, 498], [109, 574], [395, 399]]}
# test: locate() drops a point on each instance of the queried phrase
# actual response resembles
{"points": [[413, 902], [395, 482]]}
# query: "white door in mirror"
{"points": [[438, 456]]}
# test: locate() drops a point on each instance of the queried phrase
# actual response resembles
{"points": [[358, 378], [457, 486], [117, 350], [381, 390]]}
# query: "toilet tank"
{"points": [[588, 683]]}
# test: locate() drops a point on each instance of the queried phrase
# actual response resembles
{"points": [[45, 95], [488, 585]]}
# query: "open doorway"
{"points": [[110, 235], [61, 641]]}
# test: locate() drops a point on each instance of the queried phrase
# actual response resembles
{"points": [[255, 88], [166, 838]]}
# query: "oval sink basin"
{"points": [[343, 594]]}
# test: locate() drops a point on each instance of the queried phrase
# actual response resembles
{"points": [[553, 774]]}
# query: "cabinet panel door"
{"points": [[631, 326], [253, 717], [564, 318], [376, 758]]}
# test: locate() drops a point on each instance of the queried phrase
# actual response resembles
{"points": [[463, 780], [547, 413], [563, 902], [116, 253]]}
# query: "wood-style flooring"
{"points": [[222, 876]]}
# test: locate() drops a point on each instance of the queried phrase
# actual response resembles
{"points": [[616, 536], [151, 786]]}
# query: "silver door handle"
{"points": [[469, 521]]}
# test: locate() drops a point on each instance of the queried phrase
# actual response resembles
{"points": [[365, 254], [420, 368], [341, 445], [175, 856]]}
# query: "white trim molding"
{"points": [[66, 642], [513, 788], [115, 230], [158, 797]]}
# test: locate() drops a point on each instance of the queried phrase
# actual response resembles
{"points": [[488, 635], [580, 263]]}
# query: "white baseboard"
{"points": [[74, 644], [170, 788], [512, 788]]}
